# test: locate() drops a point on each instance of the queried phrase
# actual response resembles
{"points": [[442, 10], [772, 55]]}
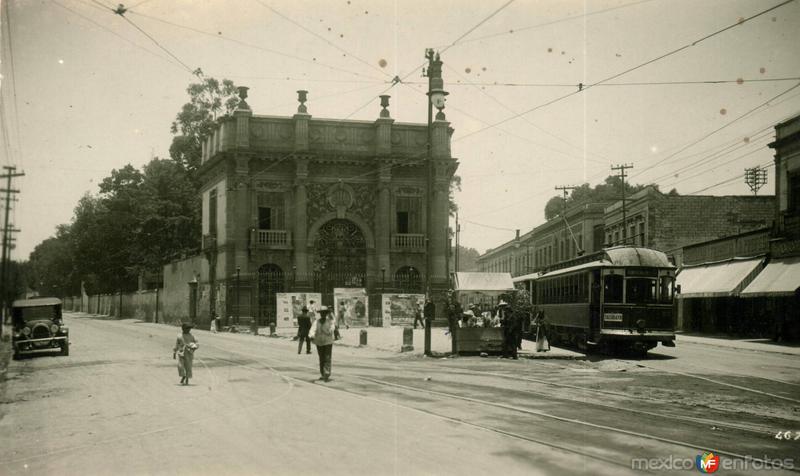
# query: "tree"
{"points": [[467, 259], [208, 100], [455, 185], [51, 268], [608, 192]]}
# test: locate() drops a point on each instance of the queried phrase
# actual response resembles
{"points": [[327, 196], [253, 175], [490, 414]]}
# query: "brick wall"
{"points": [[678, 221]]}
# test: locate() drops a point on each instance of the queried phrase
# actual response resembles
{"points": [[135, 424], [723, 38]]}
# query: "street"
{"points": [[114, 406]]}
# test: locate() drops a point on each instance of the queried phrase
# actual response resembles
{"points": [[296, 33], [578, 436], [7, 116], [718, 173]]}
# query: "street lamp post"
{"points": [[436, 97]]}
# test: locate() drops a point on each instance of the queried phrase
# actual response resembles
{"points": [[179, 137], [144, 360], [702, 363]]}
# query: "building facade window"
{"points": [[270, 211], [407, 212]]}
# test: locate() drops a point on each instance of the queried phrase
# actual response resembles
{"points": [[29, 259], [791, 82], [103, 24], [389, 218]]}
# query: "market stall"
{"points": [[482, 291]]}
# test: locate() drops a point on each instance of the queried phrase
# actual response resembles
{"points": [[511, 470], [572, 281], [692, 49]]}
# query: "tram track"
{"points": [[515, 409], [285, 368]]}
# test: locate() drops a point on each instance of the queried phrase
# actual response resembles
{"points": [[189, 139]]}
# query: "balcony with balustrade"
{"points": [[408, 242], [270, 239]]}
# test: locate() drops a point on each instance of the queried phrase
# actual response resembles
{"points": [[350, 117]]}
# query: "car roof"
{"points": [[36, 302]]}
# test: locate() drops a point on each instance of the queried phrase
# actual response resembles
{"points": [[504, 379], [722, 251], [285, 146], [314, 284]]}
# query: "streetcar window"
{"points": [[613, 288], [640, 290], [665, 293]]}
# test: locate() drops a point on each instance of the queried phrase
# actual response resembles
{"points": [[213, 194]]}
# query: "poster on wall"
{"points": [[289, 306], [399, 309], [350, 306]]}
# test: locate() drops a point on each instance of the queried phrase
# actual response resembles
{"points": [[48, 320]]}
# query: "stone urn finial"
{"points": [[384, 105], [302, 97], [242, 90]]}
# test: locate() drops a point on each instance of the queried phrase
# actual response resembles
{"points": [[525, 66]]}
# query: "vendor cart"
{"points": [[483, 290]]}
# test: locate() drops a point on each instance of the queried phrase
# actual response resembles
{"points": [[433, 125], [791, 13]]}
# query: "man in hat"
{"points": [[303, 328], [323, 339], [510, 330]]}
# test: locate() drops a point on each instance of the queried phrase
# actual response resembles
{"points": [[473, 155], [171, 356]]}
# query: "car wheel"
{"points": [[65, 349], [16, 356]]}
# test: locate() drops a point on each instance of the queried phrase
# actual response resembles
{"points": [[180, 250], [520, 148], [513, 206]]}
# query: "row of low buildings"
{"points": [[738, 256]]}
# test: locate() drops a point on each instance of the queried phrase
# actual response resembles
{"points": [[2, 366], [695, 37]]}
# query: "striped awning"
{"points": [[781, 277], [721, 279]]}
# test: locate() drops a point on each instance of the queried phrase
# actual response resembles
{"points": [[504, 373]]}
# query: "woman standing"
{"points": [[323, 339], [184, 349], [542, 332]]}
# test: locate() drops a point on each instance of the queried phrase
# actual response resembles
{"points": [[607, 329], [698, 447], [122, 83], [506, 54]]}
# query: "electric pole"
{"points": [[567, 231], [755, 178], [10, 173], [458, 231], [622, 169]]}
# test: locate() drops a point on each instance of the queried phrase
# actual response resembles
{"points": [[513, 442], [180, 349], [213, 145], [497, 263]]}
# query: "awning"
{"points": [[726, 278], [484, 282], [781, 277]]}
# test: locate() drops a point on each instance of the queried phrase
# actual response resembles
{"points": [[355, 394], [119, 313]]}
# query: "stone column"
{"points": [[438, 235], [383, 219], [300, 232]]}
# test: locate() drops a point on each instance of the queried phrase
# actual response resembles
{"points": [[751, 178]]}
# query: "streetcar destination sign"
{"points": [[612, 317]]}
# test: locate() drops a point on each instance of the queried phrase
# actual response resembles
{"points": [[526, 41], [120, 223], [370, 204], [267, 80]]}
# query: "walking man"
{"points": [[303, 328], [323, 339]]}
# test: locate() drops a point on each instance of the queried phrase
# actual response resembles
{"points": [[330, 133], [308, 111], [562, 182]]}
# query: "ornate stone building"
{"points": [[293, 204]]}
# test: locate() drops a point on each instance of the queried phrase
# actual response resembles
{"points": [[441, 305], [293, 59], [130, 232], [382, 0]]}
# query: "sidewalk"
{"points": [[758, 345], [390, 339]]}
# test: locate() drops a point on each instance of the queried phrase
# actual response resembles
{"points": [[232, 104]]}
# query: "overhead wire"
{"points": [[666, 159], [737, 145], [156, 42], [20, 152], [398, 79], [251, 45], [632, 83], [729, 180], [531, 123], [586, 87], [560, 20], [317, 35], [504, 131], [98, 25]]}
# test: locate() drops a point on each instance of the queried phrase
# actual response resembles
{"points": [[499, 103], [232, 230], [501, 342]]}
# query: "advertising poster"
{"points": [[351, 306], [289, 306], [399, 309]]}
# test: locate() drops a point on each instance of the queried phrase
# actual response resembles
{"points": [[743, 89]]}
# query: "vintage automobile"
{"points": [[38, 327]]}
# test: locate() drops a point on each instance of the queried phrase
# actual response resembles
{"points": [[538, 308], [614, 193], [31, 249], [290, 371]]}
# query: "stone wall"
{"points": [[176, 295]]}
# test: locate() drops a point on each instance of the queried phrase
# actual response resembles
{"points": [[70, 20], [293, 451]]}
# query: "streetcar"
{"points": [[620, 298]]}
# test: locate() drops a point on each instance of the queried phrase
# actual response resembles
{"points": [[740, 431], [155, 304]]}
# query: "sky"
{"points": [[543, 93]]}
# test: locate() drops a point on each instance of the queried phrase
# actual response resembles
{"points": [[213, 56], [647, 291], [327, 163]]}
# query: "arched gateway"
{"points": [[340, 256]]}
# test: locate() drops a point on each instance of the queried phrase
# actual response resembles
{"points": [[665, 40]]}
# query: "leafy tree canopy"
{"points": [[208, 100], [608, 192]]}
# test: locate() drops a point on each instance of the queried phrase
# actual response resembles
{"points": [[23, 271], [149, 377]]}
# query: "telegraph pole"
{"points": [[567, 231], [622, 169], [458, 231], [10, 173]]}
